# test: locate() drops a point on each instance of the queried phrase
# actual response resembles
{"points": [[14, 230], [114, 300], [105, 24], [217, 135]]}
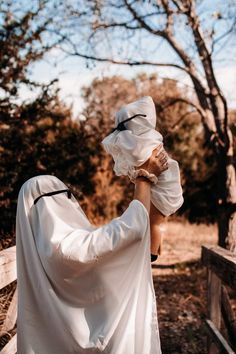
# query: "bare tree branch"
{"points": [[141, 21], [212, 105], [188, 102], [75, 52], [224, 35]]}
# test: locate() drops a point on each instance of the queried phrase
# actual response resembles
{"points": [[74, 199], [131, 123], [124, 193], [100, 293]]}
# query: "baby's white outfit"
{"points": [[131, 144]]}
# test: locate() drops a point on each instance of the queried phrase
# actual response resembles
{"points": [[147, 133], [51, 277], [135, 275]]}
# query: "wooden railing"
{"points": [[221, 269], [7, 276]]}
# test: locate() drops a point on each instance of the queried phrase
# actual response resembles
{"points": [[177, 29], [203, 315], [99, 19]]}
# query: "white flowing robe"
{"points": [[82, 289], [130, 148]]}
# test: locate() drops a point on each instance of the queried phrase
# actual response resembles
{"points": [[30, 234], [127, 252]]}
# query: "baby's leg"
{"points": [[156, 220]]}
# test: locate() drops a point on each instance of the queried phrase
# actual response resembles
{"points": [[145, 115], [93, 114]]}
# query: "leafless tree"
{"points": [[132, 32]]}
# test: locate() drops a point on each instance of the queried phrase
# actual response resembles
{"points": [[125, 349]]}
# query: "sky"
{"points": [[73, 73]]}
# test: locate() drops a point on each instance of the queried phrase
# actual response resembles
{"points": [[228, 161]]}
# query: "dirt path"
{"points": [[180, 286], [181, 306]]}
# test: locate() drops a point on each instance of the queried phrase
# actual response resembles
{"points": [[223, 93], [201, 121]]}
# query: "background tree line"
{"points": [[39, 136]]}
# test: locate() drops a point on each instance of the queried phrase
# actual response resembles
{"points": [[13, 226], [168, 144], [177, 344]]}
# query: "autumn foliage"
{"points": [[39, 136]]}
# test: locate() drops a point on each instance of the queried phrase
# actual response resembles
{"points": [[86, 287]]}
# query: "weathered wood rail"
{"points": [[221, 271], [7, 276]]}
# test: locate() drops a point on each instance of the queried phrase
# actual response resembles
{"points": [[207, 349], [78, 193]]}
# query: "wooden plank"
{"points": [[228, 315], [222, 262], [11, 346], [11, 315], [7, 266], [213, 305], [7, 274], [9, 254], [214, 298], [218, 338]]}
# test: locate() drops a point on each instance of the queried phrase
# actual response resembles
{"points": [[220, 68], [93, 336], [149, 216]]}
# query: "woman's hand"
{"points": [[157, 163]]}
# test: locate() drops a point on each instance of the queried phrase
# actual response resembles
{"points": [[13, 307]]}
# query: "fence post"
{"points": [[213, 306]]}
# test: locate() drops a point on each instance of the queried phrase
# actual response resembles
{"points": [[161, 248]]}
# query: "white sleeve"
{"points": [[83, 247]]}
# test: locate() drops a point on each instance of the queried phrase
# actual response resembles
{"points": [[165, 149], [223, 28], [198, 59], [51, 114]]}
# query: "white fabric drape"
{"points": [[132, 147], [82, 289]]}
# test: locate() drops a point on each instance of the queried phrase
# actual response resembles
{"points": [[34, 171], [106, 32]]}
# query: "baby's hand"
{"points": [[157, 163]]}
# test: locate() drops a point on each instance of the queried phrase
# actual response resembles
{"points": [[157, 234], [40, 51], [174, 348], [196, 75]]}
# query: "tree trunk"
{"points": [[226, 197]]}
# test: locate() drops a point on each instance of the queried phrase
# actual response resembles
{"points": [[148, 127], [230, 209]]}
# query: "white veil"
{"points": [[131, 147], [82, 289]]}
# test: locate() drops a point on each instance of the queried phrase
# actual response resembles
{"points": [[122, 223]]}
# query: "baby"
{"points": [[131, 144]]}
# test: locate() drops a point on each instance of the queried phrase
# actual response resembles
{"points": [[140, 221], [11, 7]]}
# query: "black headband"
{"points": [[53, 193], [121, 125]]}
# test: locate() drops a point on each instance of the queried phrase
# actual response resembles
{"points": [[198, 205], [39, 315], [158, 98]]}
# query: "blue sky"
{"points": [[73, 73]]}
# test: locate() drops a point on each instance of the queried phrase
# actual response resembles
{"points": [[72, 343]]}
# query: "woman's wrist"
{"points": [[140, 179], [142, 191], [133, 175]]}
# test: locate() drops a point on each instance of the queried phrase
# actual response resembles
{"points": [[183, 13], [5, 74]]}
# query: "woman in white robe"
{"points": [[81, 288]]}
